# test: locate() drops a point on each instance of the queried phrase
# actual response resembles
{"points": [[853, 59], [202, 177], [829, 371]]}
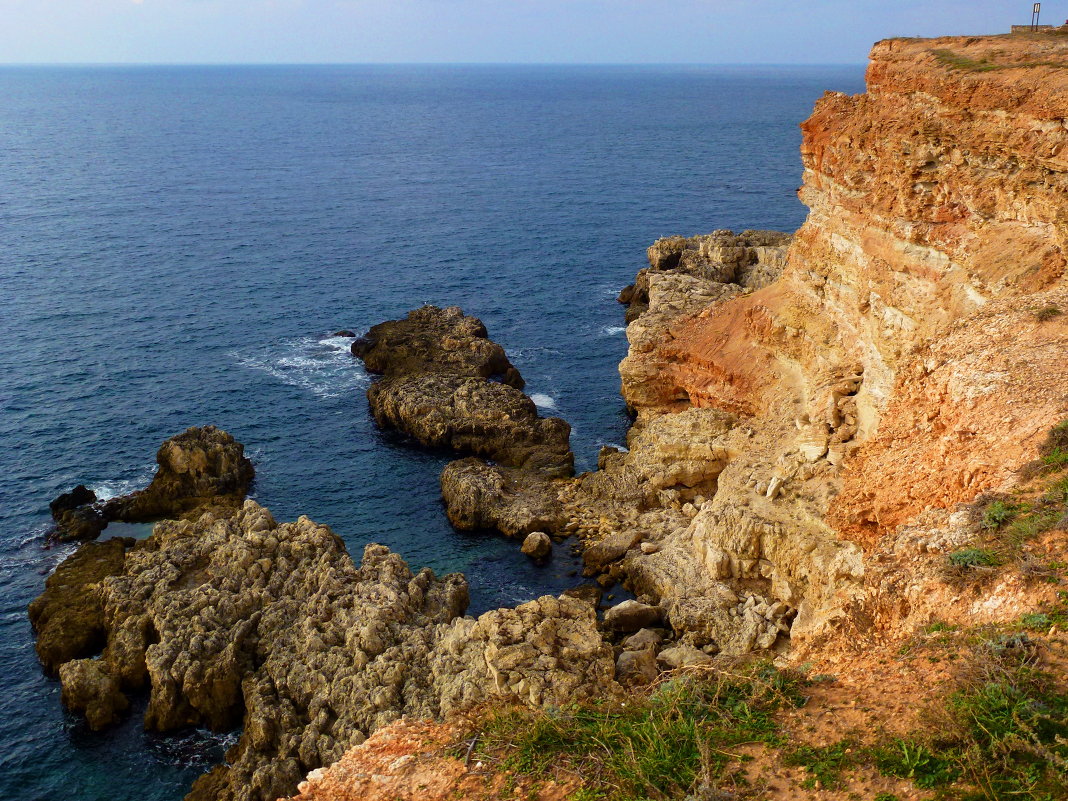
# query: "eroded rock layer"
{"points": [[444, 383]]}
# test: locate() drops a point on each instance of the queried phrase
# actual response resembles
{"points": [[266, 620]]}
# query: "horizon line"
{"points": [[431, 64]]}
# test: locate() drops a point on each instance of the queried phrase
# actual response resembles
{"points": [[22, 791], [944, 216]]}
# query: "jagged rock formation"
{"points": [[238, 620], [197, 467], [436, 366]]}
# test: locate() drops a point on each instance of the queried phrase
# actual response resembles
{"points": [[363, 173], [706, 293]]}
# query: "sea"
{"points": [[179, 244]]}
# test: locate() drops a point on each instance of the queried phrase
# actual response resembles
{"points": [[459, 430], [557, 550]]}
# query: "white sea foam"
{"points": [[543, 401], [113, 488], [613, 330], [321, 366]]}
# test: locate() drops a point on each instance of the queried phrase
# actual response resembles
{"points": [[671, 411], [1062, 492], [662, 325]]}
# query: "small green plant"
{"points": [[973, 558], [885, 797], [1048, 313], [823, 763], [997, 514], [913, 759], [939, 626]]}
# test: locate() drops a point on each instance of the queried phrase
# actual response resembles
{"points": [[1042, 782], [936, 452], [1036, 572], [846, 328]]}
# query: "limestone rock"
{"points": [[515, 502], [436, 365], [598, 557], [232, 619], [88, 688], [682, 656], [200, 466], [68, 616], [537, 545], [473, 415], [431, 339], [631, 616], [644, 638]]}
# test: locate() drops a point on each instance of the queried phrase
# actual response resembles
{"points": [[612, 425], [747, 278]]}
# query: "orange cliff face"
{"points": [[937, 231]]}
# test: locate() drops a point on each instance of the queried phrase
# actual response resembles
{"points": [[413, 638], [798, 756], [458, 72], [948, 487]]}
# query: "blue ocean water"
{"points": [[177, 244]]}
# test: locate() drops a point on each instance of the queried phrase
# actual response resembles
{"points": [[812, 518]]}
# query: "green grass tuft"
{"points": [[658, 746], [823, 763]]}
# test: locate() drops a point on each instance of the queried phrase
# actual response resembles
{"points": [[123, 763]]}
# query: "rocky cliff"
{"points": [[911, 356]]}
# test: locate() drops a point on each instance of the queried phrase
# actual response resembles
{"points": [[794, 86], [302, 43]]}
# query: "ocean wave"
{"points": [[322, 366], [613, 330]]}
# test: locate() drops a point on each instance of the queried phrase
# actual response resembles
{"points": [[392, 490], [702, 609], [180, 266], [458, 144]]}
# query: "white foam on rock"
{"points": [[543, 401]]}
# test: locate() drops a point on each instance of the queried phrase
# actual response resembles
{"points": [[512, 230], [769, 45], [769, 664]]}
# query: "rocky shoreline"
{"points": [[821, 422]]}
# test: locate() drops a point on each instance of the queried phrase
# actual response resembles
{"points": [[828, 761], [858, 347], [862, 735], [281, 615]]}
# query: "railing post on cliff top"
{"points": [[1035, 13]]}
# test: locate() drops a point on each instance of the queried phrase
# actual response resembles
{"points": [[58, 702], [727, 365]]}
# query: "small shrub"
{"points": [[973, 558], [997, 514], [1058, 457], [1048, 313]]}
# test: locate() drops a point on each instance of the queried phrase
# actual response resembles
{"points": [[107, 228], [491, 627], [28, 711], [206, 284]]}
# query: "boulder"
{"points": [[682, 656], [611, 549], [635, 668], [537, 545], [630, 616], [644, 638], [345, 333]]}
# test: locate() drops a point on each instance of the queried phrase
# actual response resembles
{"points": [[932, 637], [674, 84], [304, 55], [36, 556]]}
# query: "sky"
{"points": [[495, 31]]}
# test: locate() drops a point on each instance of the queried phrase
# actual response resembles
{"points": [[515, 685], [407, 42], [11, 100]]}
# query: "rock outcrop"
{"points": [[198, 467], [234, 619], [438, 369]]}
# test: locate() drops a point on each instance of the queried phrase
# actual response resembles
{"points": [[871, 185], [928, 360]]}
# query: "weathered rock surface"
{"points": [[637, 667], [197, 467], [630, 616], [89, 688], [430, 340], [515, 502], [236, 619], [68, 616], [436, 366]]}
